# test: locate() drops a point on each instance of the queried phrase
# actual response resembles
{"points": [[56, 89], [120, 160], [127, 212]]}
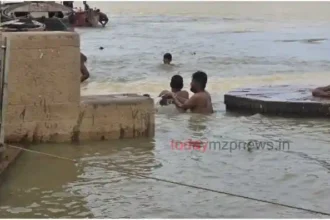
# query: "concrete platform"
{"points": [[278, 100], [115, 116], [43, 101]]}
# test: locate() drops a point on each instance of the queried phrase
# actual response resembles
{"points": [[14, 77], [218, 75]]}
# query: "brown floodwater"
{"points": [[238, 44]]}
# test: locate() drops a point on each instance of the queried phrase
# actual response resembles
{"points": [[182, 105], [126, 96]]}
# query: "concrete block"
{"points": [[44, 103], [115, 117], [284, 100], [40, 131], [41, 111], [50, 74], [43, 86], [43, 39]]}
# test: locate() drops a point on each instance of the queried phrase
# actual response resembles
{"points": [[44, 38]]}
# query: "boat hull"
{"points": [[86, 19]]}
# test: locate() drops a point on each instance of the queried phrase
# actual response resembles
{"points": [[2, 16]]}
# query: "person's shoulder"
{"points": [[197, 96], [184, 93], [207, 94]]}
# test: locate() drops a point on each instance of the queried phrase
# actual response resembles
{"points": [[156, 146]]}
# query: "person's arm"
{"points": [[84, 72], [182, 96], [189, 104], [163, 93], [182, 99], [106, 20]]}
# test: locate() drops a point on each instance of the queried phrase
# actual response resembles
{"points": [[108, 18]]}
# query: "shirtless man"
{"points": [[323, 92], [201, 101], [176, 88], [83, 69]]}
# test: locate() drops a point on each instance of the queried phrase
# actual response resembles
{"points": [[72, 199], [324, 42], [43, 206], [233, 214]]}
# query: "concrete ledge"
{"points": [[278, 100], [43, 97], [103, 117], [106, 117], [7, 158], [43, 39]]}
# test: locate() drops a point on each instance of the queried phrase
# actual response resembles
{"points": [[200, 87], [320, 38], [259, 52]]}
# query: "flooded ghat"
{"points": [[237, 45]]}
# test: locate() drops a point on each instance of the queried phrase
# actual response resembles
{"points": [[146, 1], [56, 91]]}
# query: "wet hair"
{"points": [[201, 78], [176, 82], [168, 56]]}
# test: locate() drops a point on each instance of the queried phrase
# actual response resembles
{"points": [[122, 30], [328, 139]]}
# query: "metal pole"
{"points": [[3, 97], [2, 146]]}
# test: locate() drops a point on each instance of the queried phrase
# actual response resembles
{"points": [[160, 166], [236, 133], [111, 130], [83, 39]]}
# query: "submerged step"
{"points": [[291, 100]]}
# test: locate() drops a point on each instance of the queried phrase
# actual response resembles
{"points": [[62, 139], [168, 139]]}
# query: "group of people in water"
{"points": [[199, 102]]}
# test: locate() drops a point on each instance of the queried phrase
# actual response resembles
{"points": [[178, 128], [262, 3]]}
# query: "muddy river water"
{"points": [[237, 45]]}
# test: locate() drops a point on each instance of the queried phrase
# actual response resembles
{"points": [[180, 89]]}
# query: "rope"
{"points": [[42, 153], [183, 184]]}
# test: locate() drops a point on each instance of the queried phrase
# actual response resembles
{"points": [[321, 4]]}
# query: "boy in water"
{"points": [[167, 59], [201, 101], [176, 88]]}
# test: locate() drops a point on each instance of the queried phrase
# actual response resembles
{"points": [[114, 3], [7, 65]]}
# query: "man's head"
{"points": [[98, 10], [176, 83], [167, 58], [198, 82]]}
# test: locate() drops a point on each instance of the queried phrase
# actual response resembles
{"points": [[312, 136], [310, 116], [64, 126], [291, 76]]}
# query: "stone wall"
{"points": [[44, 95]]}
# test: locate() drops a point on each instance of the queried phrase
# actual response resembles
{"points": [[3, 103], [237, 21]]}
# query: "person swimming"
{"points": [[167, 59], [200, 102], [176, 85]]}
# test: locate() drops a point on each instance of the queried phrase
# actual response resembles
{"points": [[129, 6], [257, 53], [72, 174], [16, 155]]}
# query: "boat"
{"points": [[88, 18], [42, 9]]}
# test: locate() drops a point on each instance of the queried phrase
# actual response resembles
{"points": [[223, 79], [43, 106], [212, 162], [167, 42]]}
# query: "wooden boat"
{"points": [[88, 18]]}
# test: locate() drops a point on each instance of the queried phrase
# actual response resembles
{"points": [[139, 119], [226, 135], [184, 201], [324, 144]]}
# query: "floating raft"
{"points": [[278, 100]]}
